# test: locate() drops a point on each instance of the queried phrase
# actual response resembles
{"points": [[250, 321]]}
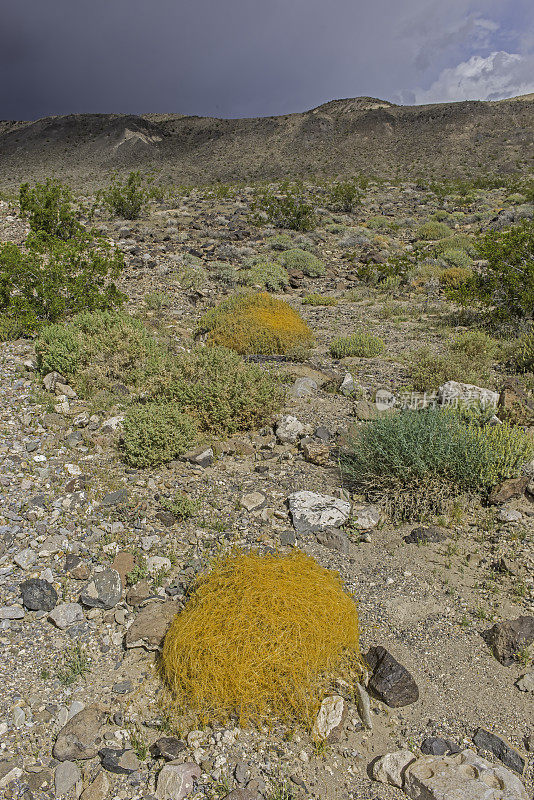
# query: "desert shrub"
{"points": [[220, 392], [457, 258], [224, 272], [126, 199], [289, 630], [54, 279], [380, 223], [155, 433], [49, 209], [97, 350], [303, 260], [433, 230], [155, 301], [360, 344], [453, 277], [280, 242], [315, 299], [287, 209], [267, 274], [412, 448], [181, 506], [507, 283], [522, 352], [191, 275], [256, 323], [344, 196], [467, 359]]}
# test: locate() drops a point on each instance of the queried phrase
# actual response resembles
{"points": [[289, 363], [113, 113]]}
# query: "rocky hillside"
{"points": [[339, 137]]}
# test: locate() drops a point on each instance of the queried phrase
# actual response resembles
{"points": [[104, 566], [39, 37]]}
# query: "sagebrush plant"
{"points": [[264, 273], [256, 324], [53, 279], [49, 208], [423, 450], [290, 629], [506, 284], [281, 241], [287, 208], [299, 259], [126, 199], [467, 359], [181, 506], [359, 343], [430, 231], [155, 433]]}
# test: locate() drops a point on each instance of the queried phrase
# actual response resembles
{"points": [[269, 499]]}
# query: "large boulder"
{"points": [[311, 512]]}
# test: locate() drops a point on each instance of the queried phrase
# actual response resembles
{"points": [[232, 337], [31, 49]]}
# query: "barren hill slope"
{"points": [[339, 137]]}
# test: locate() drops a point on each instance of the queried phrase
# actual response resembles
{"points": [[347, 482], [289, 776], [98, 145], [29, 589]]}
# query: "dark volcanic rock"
{"points": [[434, 746], [168, 747], [38, 595], [122, 762], [390, 681], [104, 590], [501, 749], [508, 638], [423, 535]]}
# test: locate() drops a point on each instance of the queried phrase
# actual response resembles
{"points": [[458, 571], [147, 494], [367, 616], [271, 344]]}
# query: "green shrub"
{"points": [[522, 352], [315, 299], [191, 276], [48, 207], [126, 199], [433, 230], [54, 279], [220, 392], [181, 506], [457, 258], [507, 283], [266, 274], [225, 272], [287, 209], [431, 454], [467, 360], [380, 223], [280, 242], [360, 344], [344, 196], [155, 433], [13, 328], [303, 260], [459, 241]]}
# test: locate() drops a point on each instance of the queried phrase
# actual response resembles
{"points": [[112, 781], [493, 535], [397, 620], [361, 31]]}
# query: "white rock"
{"points": [[11, 612], [156, 563], [26, 558], [509, 515], [10, 776], [313, 512], [113, 424], [73, 469], [454, 393], [390, 768], [330, 718], [19, 717], [347, 385], [526, 682], [66, 614], [288, 429], [252, 500], [465, 776], [175, 781]]}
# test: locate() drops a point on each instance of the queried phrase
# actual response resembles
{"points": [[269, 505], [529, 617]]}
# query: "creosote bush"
{"points": [[422, 459], [287, 208], [126, 199], [303, 260], [261, 636], [49, 209], [360, 344], [345, 195], [256, 324]]}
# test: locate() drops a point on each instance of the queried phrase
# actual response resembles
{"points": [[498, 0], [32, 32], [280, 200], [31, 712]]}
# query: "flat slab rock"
{"points": [[465, 776], [311, 512], [390, 681], [175, 781], [150, 626], [500, 748], [80, 739]]}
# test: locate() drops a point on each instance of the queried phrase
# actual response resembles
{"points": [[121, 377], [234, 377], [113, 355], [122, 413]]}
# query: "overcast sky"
{"points": [[236, 58]]}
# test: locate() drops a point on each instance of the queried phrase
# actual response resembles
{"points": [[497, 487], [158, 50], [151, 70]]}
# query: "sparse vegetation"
{"points": [[316, 299], [287, 208], [126, 199], [345, 195], [360, 344], [74, 664]]}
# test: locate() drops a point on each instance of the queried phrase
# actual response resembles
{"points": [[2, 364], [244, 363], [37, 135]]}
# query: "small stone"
{"points": [[303, 387], [364, 707], [176, 781], [315, 452], [509, 515], [334, 539], [311, 512], [329, 721], [123, 563], [157, 564], [508, 638], [113, 424], [365, 517], [79, 738], [115, 498], [77, 567], [391, 682], [121, 762], [167, 747], [201, 457], [391, 767], [122, 687], [252, 501], [501, 749], [425, 534], [166, 518], [66, 776], [150, 626], [453, 393], [348, 385], [139, 592], [526, 682], [38, 595], [434, 746], [98, 789], [19, 717], [9, 772], [288, 538], [513, 487], [26, 558], [50, 380], [103, 591], [242, 794], [288, 429], [364, 410], [12, 612], [66, 614]]}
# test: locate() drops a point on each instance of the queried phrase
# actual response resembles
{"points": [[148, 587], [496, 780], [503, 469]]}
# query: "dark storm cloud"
{"points": [[252, 57]]}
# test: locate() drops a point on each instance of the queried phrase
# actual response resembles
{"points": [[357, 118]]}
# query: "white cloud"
{"points": [[494, 77]]}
